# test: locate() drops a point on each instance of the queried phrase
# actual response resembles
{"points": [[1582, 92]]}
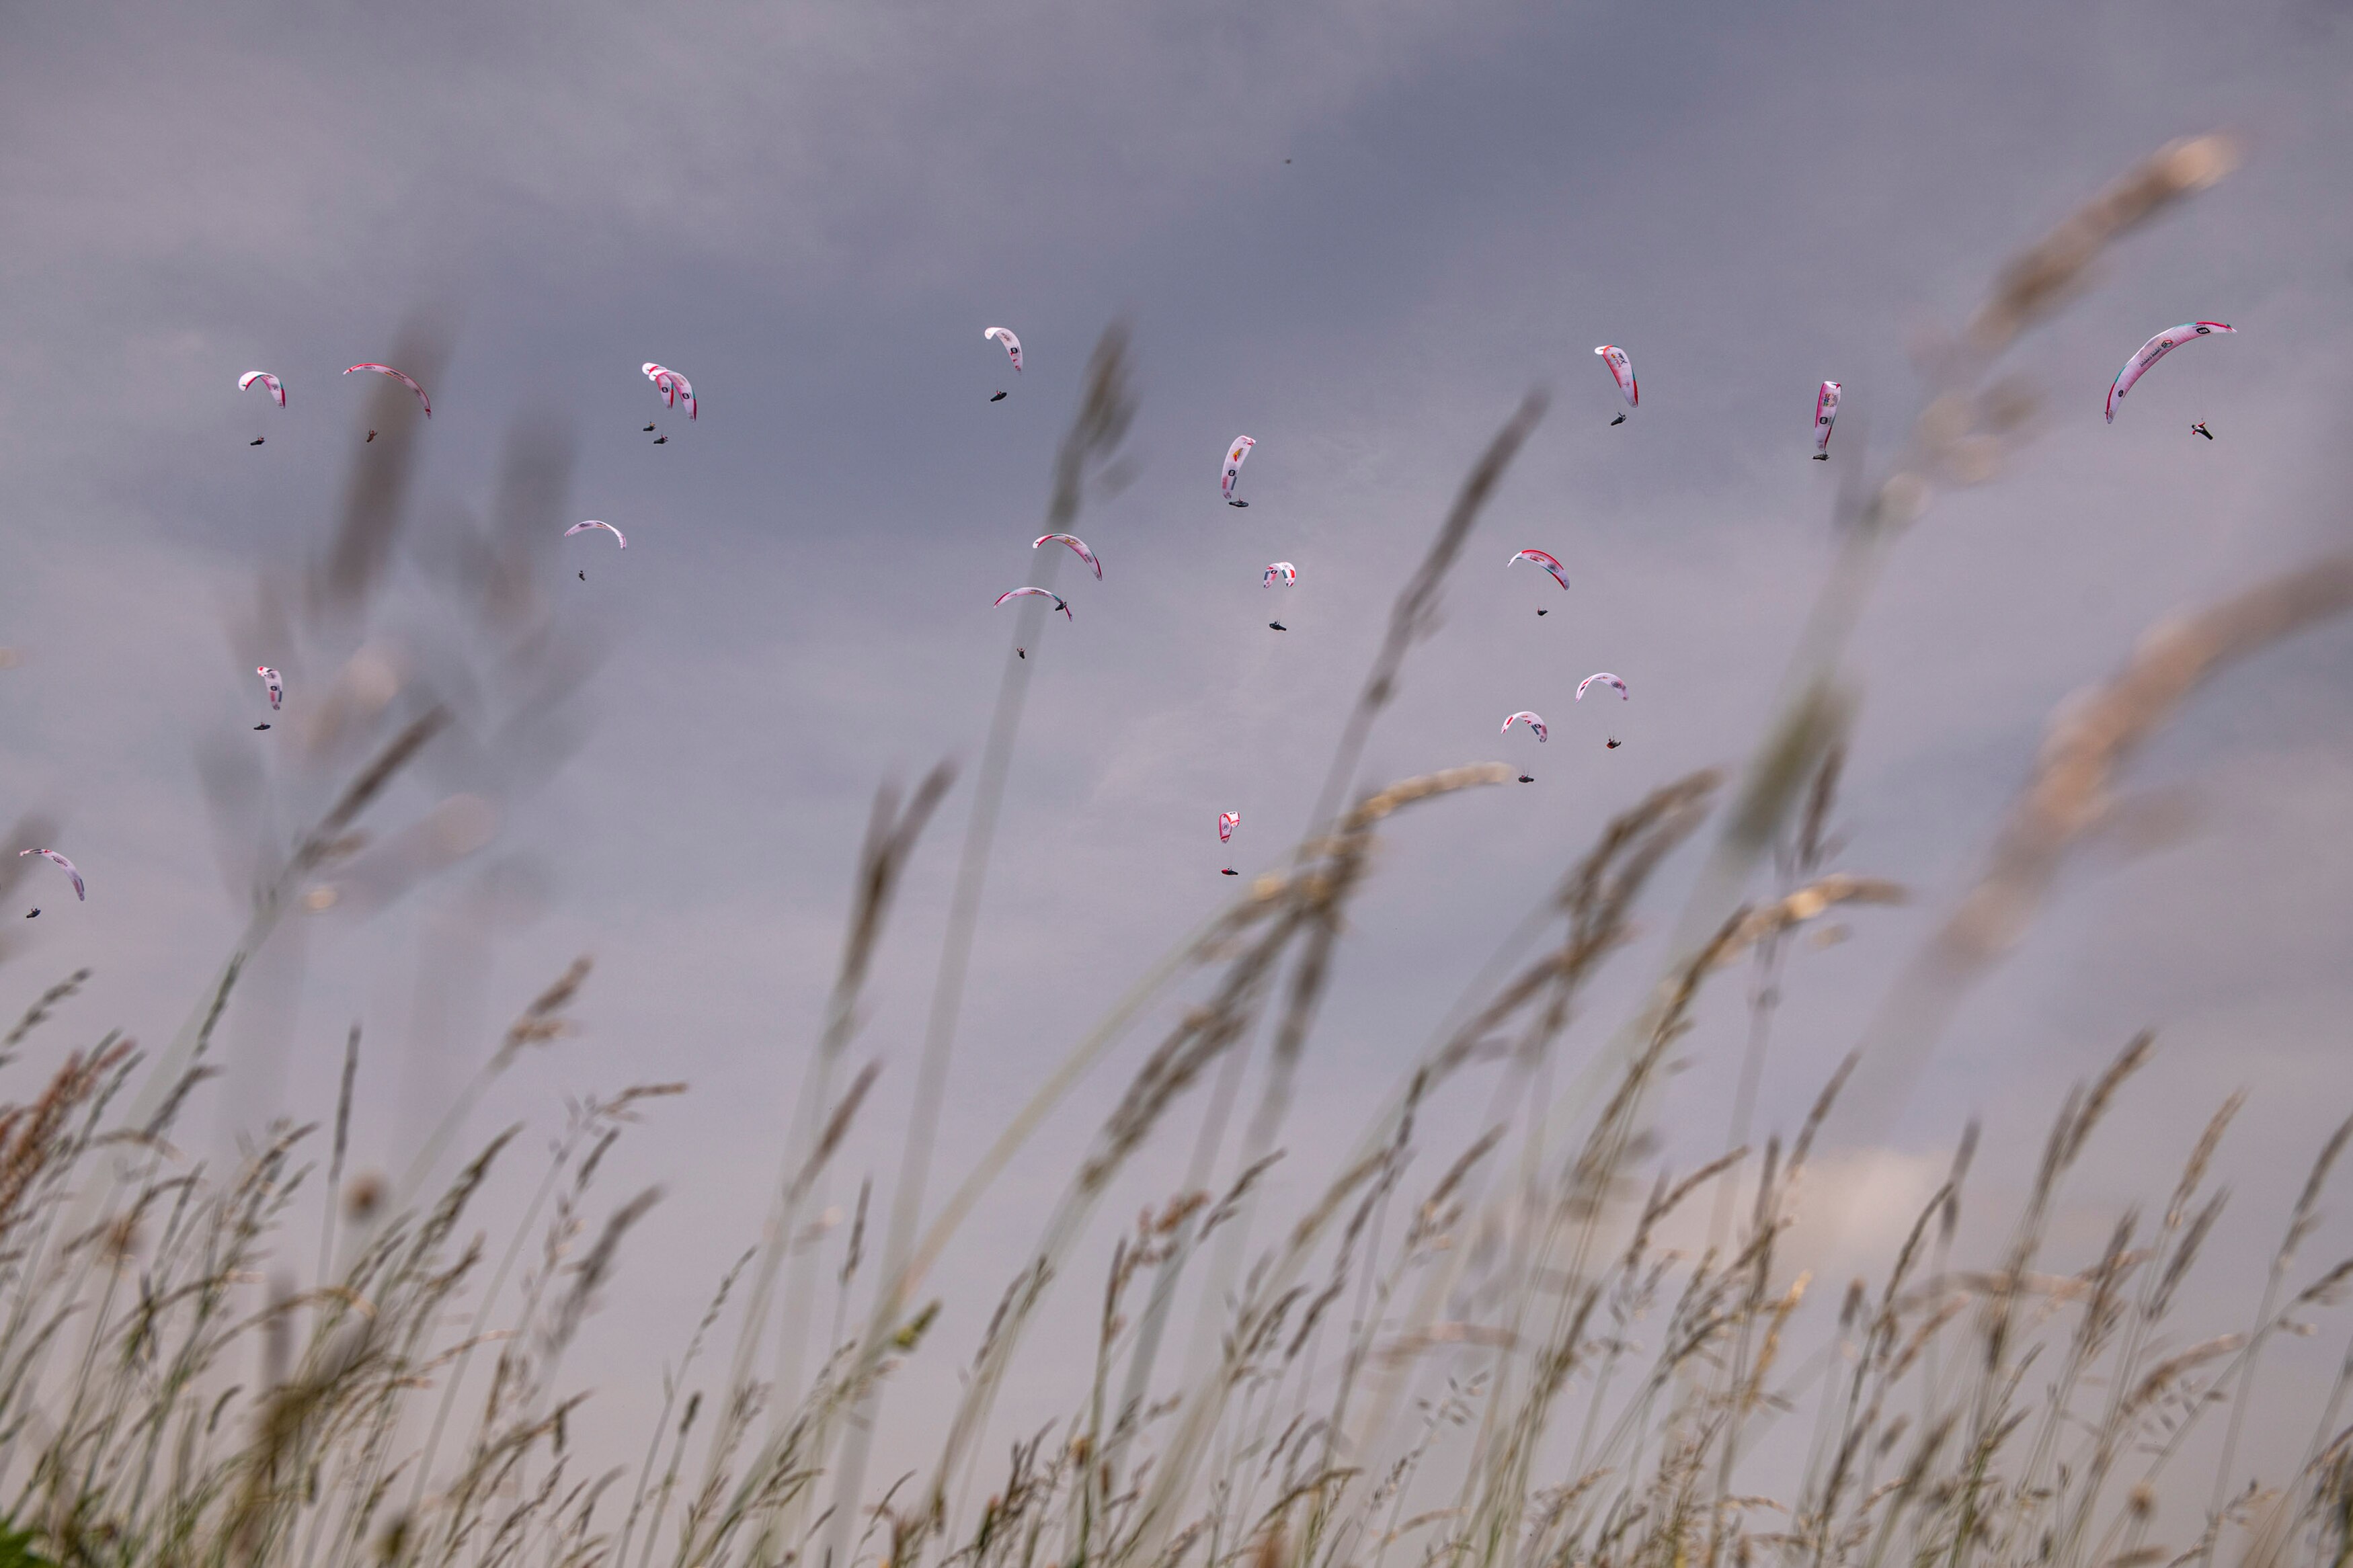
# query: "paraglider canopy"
{"points": [[1621, 371], [1012, 344], [1826, 404], [2156, 348], [1531, 721], [1234, 456], [67, 866], [1077, 545], [269, 382], [1227, 822], [592, 522], [674, 388], [1549, 562], [1040, 592], [404, 380], [1605, 678], [1284, 569], [269, 679]]}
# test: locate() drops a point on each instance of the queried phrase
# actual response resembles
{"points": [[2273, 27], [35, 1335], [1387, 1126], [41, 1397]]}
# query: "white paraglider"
{"points": [[1234, 460], [1531, 721], [1042, 594], [1012, 344], [1549, 562], [1621, 371], [269, 679], [79, 892], [1825, 414], [1605, 678], [1077, 545], [269, 382], [2156, 348], [1227, 822], [404, 380], [674, 388], [592, 522], [1284, 569]]}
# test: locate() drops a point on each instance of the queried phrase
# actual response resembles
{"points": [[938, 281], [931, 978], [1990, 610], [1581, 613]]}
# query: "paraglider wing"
{"points": [[2156, 348], [1825, 414], [1042, 594], [79, 892], [592, 522], [1606, 679], [1227, 822], [387, 370], [269, 382], [1559, 573], [1234, 457], [1621, 371], [1076, 544], [1012, 344], [1284, 569], [1531, 721], [674, 388], [269, 679]]}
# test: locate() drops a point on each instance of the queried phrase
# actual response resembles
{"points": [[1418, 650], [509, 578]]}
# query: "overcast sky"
{"points": [[1357, 231]]}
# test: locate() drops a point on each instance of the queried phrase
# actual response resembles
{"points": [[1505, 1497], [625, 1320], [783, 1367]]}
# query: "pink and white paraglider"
{"points": [[1549, 562], [276, 686], [2156, 348], [1234, 460], [1012, 344], [269, 382], [1284, 569], [404, 380], [1227, 822], [592, 522], [1605, 678], [1077, 545], [1531, 721], [1621, 371], [1042, 594], [674, 388], [1825, 414], [79, 892]]}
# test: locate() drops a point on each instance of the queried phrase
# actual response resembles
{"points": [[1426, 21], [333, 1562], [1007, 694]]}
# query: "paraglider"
{"points": [[1042, 594], [255, 442], [1825, 414], [1077, 545], [387, 370], [1277, 626], [1605, 678], [1012, 347], [276, 686], [1612, 744], [1284, 569], [661, 440], [997, 397], [2199, 429], [674, 388], [1227, 822], [269, 382], [1531, 722], [1549, 562], [1234, 458], [261, 726], [592, 522], [2156, 348], [1621, 371], [1527, 778], [64, 864]]}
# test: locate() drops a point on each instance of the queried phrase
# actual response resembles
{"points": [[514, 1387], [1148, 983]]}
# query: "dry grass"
{"points": [[1484, 1354]]}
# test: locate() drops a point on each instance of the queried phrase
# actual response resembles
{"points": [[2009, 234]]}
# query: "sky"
{"points": [[1358, 232]]}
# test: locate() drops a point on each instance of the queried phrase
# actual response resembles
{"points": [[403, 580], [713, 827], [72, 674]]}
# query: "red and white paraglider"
{"points": [[79, 892], [269, 382], [1078, 546], [1012, 344], [1284, 569], [674, 388], [276, 686], [404, 380], [1234, 456], [1605, 678], [1825, 414], [1531, 721], [1549, 562], [1040, 592], [2156, 348], [592, 522], [1227, 822], [1621, 371]]}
